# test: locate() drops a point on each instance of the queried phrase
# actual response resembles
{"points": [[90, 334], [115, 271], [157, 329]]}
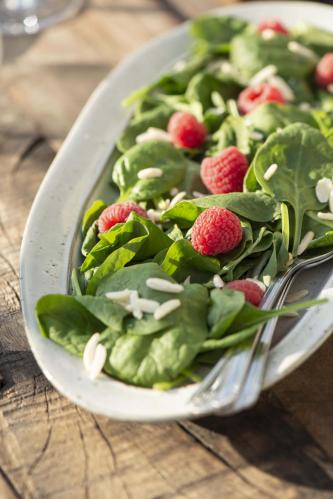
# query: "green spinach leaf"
{"points": [[255, 206], [66, 321], [92, 214], [303, 156], [216, 32], [267, 118], [225, 306], [320, 40], [250, 53], [157, 117], [157, 154], [149, 359], [181, 260]]}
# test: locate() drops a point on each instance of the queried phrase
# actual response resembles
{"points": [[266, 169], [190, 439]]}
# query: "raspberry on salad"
{"points": [[118, 213], [324, 70], [273, 25], [252, 292], [215, 231], [251, 97], [224, 173], [186, 131]]}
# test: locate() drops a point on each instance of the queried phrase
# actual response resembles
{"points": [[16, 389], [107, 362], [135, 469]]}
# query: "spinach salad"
{"points": [[224, 176]]}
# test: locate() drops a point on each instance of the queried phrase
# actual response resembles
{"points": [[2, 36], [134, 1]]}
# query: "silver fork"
{"points": [[235, 381]]}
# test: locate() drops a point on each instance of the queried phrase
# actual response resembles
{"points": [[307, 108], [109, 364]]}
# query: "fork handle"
{"points": [[223, 383], [252, 387]]}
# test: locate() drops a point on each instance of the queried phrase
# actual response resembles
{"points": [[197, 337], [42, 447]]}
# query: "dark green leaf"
{"points": [[303, 157], [92, 214], [250, 53], [157, 154], [65, 321], [181, 260], [225, 306]]}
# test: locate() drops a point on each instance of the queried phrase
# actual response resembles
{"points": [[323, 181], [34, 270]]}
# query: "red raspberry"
{"points": [[324, 70], [216, 230], [253, 293], [225, 172], [274, 25], [118, 213], [251, 97], [186, 130]]}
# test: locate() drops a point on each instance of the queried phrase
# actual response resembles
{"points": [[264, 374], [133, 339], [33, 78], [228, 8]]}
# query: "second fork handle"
{"points": [[240, 364], [252, 387]]}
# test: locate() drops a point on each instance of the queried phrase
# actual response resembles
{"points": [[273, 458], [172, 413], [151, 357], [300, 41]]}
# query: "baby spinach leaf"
{"points": [[255, 206], [326, 100], [77, 282], [229, 341], [323, 230], [175, 233], [278, 259], [134, 277], [322, 241], [250, 181], [253, 316], [173, 82], [262, 241], [111, 314], [267, 118], [90, 239], [320, 40], [324, 120], [183, 213], [115, 261], [225, 306], [157, 117], [156, 241], [181, 260], [66, 321], [301, 90], [148, 359], [233, 132], [111, 240], [303, 157], [216, 32], [202, 85], [92, 213], [213, 119], [192, 181], [250, 53], [157, 154]]}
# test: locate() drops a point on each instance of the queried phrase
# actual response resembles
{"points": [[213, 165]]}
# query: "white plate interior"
{"points": [[50, 240]]}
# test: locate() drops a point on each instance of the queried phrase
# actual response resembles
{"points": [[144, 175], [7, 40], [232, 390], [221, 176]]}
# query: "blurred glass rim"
{"points": [[28, 17]]}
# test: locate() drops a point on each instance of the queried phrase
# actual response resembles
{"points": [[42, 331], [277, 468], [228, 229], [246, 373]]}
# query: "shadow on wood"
{"points": [[269, 438]]}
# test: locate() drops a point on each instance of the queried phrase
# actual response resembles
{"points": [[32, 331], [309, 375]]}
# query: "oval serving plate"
{"points": [[50, 242]]}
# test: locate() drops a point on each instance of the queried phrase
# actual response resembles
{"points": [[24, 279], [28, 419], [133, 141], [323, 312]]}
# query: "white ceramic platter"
{"points": [[49, 245]]}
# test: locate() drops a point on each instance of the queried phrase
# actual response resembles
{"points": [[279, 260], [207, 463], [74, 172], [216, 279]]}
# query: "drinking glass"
{"points": [[19, 17]]}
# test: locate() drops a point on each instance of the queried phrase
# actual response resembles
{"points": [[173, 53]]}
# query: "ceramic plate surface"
{"points": [[50, 243]]}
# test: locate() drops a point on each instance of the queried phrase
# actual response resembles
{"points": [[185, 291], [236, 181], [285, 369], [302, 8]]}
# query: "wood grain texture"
{"points": [[49, 447]]}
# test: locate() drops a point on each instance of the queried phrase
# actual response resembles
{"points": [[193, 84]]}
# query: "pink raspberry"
{"points": [[251, 97], [186, 130], [216, 230], [324, 70], [273, 25], [225, 172], [252, 291], [118, 213]]}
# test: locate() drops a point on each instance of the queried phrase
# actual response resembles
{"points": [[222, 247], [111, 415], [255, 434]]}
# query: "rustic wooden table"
{"points": [[48, 446]]}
